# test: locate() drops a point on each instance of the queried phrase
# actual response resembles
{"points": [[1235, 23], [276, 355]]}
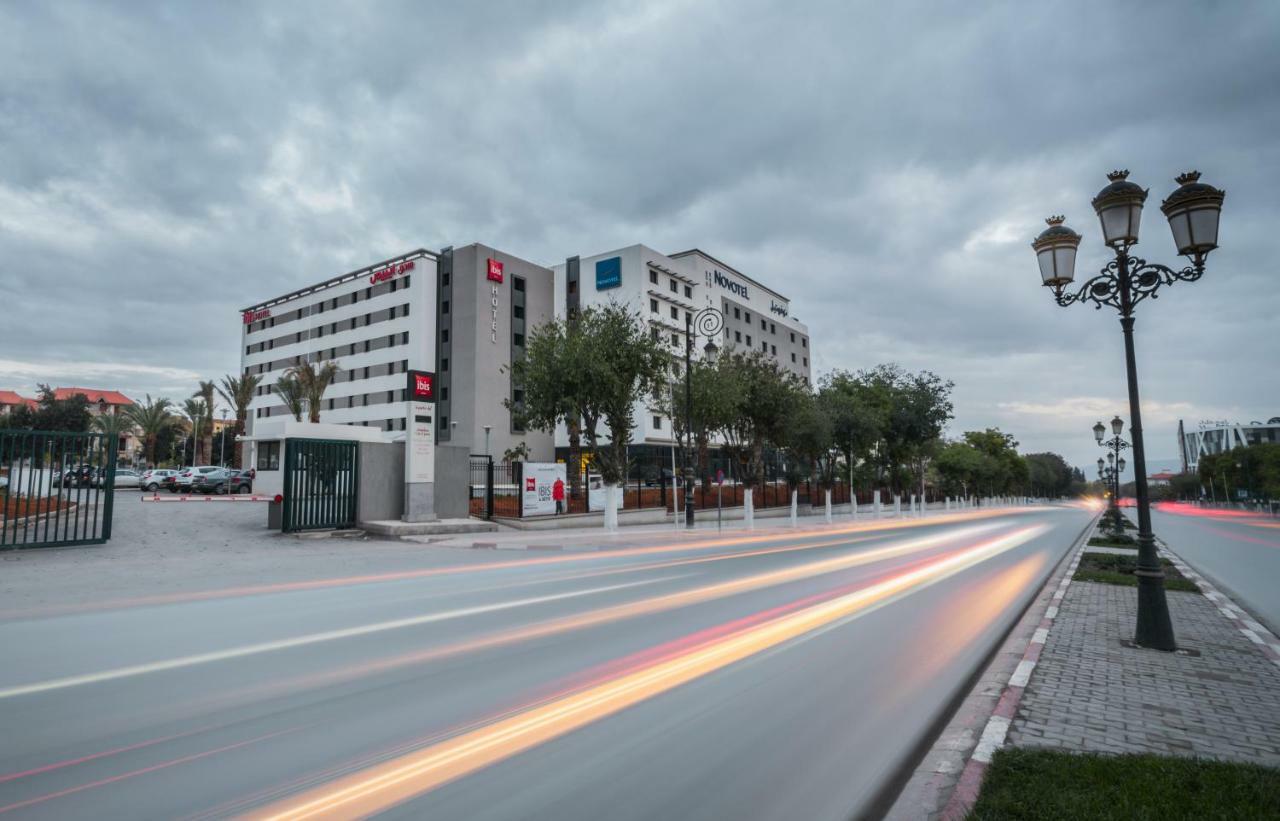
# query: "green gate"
{"points": [[56, 488], [321, 483]]}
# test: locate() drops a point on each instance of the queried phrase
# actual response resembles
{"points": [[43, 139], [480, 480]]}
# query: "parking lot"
{"points": [[161, 549]]}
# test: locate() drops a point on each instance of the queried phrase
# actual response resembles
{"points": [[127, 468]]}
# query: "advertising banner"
{"points": [[543, 484], [595, 493]]}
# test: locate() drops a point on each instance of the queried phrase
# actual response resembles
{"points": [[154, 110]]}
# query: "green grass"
{"points": [[1030, 785], [1107, 541], [1113, 568]]}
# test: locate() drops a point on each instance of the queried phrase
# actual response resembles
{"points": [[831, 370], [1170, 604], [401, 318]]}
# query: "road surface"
{"points": [[786, 674], [1238, 551]]}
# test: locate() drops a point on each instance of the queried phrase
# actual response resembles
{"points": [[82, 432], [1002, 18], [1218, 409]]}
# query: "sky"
{"points": [[884, 165]]}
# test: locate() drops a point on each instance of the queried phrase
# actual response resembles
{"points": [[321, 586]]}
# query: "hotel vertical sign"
{"points": [[495, 279], [420, 451]]}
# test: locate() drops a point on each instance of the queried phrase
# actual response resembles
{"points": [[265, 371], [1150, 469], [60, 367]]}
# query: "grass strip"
{"points": [[1114, 568], [1029, 785]]}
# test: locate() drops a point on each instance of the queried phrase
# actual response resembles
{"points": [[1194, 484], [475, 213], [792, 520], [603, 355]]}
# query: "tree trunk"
{"points": [[611, 507], [575, 459]]}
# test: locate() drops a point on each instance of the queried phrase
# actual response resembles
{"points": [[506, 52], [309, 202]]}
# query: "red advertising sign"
{"points": [[495, 270], [531, 484], [422, 386], [384, 274], [254, 316]]}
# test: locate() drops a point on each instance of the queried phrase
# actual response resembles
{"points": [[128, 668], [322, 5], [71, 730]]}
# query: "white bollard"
{"points": [[828, 505], [611, 508], [853, 506], [897, 506], [794, 495], [748, 509], [875, 501]]}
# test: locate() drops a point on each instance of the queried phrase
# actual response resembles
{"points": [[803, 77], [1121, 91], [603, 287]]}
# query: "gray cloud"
{"points": [[885, 165]]}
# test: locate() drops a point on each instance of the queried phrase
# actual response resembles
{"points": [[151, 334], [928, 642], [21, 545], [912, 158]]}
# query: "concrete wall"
{"points": [[381, 482], [453, 475]]}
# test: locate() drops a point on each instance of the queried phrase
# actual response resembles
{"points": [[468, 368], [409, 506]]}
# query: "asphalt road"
{"points": [[1239, 552], [789, 674]]}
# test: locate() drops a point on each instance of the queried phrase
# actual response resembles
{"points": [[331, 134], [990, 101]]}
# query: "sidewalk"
{"points": [[1080, 689]]}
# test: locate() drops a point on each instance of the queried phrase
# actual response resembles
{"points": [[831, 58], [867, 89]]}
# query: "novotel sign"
{"points": [[421, 386], [254, 316], [728, 284], [384, 274]]}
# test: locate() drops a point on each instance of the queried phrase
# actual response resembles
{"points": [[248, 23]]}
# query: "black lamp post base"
{"points": [[1154, 629]]}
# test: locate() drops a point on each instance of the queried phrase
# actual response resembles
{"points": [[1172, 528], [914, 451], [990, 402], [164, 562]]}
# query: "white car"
{"points": [[186, 477], [153, 480], [124, 477]]}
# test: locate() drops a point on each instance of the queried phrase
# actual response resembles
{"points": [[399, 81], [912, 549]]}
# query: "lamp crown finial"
{"points": [[1188, 177], [1056, 219], [1116, 176]]}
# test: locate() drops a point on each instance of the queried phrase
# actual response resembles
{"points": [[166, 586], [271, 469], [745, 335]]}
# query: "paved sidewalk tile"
{"points": [[1090, 693]]}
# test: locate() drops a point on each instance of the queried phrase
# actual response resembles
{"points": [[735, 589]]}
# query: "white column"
{"points": [[828, 492], [748, 509], [795, 494], [875, 503], [897, 506], [853, 505]]}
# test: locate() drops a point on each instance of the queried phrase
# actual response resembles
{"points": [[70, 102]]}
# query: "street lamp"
{"points": [[1192, 212], [708, 323], [222, 443]]}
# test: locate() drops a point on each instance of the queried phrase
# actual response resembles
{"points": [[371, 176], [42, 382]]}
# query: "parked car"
{"points": [[214, 481], [124, 477], [187, 478], [153, 480], [241, 481], [77, 475]]}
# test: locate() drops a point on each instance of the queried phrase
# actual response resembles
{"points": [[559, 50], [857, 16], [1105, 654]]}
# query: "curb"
{"points": [[1246, 624], [965, 794]]}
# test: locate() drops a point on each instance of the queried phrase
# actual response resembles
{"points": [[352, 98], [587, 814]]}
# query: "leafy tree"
{"points": [[715, 390], [114, 426], [1007, 470], [205, 394], [151, 418], [858, 415], [290, 393], [810, 439], [1254, 469], [766, 398], [593, 368], [963, 467], [50, 413], [1049, 474], [313, 380], [238, 393]]}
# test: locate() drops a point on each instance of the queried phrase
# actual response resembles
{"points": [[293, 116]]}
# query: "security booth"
{"points": [[313, 471]]}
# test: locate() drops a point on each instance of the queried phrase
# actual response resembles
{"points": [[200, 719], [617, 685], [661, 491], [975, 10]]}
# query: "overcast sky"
{"points": [[885, 166]]}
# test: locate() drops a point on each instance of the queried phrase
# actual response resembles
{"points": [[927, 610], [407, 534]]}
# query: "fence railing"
{"points": [[56, 488]]}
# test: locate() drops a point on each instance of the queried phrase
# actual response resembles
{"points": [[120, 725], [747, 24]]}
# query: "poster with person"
{"points": [[538, 493]]}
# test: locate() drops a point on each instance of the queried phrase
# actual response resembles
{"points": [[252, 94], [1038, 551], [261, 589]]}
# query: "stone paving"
{"points": [[1090, 693]]}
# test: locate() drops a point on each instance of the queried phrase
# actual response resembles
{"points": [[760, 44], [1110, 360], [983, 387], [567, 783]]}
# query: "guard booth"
{"points": [[313, 471]]}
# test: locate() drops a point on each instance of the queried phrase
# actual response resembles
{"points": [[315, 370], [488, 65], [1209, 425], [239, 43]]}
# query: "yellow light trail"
{"points": [[382, 786]]}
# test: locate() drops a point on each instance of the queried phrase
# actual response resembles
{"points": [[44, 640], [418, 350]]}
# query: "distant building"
{"points": [[1160, 479], [11, 400], [1218, 437]]}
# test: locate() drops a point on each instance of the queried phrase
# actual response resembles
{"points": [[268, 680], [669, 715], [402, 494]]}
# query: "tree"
{"points": [[238, 393], [195, 410], [810, 439], [1049, 475], [290, 393], [52, 414], [594, 368], [313, 381], [1253, 470], [114, 426], [963, 468], [765, 399], [151, 418], [858, 417], [205, 393], [715, 395]]}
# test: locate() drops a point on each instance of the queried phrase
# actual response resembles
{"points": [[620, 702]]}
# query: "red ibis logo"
{"points": [[530, 484], [495, 270], [423, 386]]}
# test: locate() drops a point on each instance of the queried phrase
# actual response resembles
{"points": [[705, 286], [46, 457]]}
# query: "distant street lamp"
{"points": [[222, 443], [1192, 211], [708, 323]]}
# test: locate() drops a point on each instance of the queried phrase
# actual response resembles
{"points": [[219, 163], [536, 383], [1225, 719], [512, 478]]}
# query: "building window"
{"points": [[688, 292], [688, 317], [653, 277], [737, 336], [675, 289], [444, 335], [657, 423], [653, 305], [518, 283], [773, 329], [517, 311], [746, 315], [654, 333], [444, 307], [774, 350], [764, 346], [517, 340], [749, 343], [736, 313], [675, 340], [764, 326], [444, 394], [444, 364], [268, 456], [793, 337], [806, 361], [675, 314], [804, 343], [793, 357]]}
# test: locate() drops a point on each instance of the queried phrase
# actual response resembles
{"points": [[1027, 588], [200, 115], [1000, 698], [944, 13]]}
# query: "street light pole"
{"points": [[1192, 211], [708, 323]]}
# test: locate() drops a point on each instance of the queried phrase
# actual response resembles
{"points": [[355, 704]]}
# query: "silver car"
{"points": [[153, 480], [124, 477], [186, 477]]}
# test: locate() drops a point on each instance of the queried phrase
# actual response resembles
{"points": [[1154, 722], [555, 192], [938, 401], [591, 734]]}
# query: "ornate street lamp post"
{"points": [[1192, 211], [1113, 445], [708, 323]]}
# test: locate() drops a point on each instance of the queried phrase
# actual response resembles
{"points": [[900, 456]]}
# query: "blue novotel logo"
{"points": [[608, 273]]}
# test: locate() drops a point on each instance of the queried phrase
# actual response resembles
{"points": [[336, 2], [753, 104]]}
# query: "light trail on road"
{"points": [[393, 782]]}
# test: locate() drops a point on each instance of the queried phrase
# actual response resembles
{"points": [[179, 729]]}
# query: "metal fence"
{"points": [[56, 488], [494, 488], [321, 484]]}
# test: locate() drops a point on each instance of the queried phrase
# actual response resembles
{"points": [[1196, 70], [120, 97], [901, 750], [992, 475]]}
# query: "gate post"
{"points": [[488, 487]]}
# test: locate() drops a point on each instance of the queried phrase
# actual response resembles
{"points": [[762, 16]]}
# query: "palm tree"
{"points": [[196, 411], [291, 394], [238, 393], [313, 381], [151, 418], [206, 425], [114, 425]]}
